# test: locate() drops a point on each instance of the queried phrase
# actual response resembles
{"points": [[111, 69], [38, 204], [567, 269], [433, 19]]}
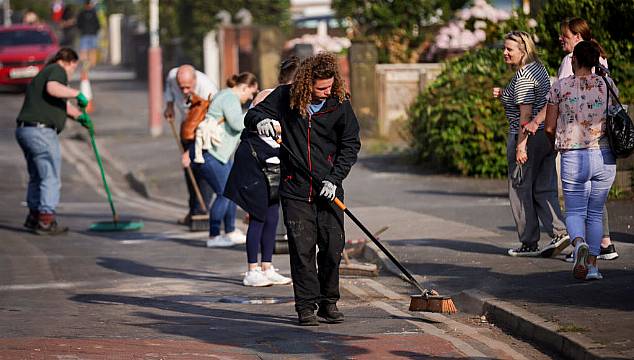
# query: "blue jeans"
{"points": [[44, 161], [587, 175], [215, 174]]}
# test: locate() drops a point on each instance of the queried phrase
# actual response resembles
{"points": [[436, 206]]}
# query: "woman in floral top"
{"points": [[575, 120]]}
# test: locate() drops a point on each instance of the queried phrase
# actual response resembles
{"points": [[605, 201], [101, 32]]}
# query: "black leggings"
{"points": [[262, 233]]}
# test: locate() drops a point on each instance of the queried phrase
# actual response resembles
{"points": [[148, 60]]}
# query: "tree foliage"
{"points": [[455, 123], [400, 28], [188, 21], [612, 25]]}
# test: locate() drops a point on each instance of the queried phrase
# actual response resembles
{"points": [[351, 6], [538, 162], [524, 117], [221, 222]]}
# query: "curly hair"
{"points": [[318, 67]]}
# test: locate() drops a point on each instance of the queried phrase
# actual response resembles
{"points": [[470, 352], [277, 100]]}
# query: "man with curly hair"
{"points": [[319, 126]]}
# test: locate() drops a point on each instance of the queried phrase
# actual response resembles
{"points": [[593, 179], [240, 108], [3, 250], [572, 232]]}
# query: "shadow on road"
{"points": [[139, 269], [257, 331], [550, 287]]}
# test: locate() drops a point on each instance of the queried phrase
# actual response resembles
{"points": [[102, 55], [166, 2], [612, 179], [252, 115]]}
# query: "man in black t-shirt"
{"points": [[41, 119]]}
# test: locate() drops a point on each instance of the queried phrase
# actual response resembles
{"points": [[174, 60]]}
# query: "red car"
{"points": [[24, 50]]}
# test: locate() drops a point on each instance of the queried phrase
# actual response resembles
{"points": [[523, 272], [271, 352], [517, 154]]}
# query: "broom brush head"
{"points": [[431, 301]]}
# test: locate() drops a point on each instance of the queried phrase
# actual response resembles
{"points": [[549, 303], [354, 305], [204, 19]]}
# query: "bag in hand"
{"points": [[619, 128], [197, 110]]}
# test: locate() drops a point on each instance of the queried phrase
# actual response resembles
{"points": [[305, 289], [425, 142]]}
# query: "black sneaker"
{"points": [[570, 257], [525, 250], [330, 313], [556, 246], [608, 253], [31, 221], [307, 317], [52, 228]]}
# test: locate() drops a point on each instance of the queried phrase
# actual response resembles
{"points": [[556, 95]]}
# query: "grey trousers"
{"points": [[535, 198]]}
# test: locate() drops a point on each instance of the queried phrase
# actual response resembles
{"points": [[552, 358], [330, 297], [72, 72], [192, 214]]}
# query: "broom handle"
{"points": [[365, 230], [115, 217], [376, 242], [188, 169]]}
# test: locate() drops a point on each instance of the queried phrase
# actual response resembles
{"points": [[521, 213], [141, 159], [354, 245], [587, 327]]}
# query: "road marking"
{"points": [[56, 285], [474, 334], [462, 346], [355, 290], [381, 289]]}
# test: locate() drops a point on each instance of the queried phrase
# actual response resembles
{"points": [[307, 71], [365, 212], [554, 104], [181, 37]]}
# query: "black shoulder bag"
{"points": [[618, 127], [271, 174]]}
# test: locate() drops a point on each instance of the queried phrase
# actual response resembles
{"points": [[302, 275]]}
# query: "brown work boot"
{"points": [[31, 219], [47, 225], [330, 313]]}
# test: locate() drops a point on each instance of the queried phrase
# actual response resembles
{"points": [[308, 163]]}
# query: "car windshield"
{"points": [[24, 37]]}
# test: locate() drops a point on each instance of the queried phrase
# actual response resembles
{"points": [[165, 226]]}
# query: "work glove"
{"points": [[267, 127], [82, 101], [328, 190], [85, 121]]}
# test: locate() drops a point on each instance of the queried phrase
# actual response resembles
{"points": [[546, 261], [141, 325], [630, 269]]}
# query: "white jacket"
{"points": [[207, 136]]}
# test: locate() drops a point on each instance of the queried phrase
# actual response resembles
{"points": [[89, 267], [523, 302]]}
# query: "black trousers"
{"points": [[314, 224]]}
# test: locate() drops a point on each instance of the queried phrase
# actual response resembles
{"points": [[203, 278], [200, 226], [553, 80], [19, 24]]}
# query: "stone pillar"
{"points": [[114, 28], [228, 53], [245, 49], [268, 47], [211, 56], [363, 58]]}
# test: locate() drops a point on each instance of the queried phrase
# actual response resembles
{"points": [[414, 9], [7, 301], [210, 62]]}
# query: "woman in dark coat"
{"points": [[248, 187]]}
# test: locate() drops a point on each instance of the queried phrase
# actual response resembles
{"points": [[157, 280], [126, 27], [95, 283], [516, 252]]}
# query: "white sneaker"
{"points": [[219, 241], [593, 273], [275, 277], [237, 237], [580, 267], [256, 278]]}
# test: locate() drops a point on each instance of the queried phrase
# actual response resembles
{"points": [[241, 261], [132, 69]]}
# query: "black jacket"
{"points": [[88, 22], [327, 142], [246, 185]]}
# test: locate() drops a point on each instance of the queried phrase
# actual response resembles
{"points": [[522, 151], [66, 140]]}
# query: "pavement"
{"points": [[165, 294]]}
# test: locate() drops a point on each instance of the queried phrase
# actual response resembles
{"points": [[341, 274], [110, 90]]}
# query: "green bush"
{"points": [[612, 25], [456, 124]]}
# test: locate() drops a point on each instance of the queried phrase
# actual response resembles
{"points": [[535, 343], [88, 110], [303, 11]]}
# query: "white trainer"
{"points": [[593, 273], [219, 241], [237, 237], [256, 278], [275, 277]]}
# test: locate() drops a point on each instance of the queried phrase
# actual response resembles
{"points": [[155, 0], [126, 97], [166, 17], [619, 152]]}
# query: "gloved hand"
{"points": [[85, 121], [82, 101], [268, 127], [328, 190]]}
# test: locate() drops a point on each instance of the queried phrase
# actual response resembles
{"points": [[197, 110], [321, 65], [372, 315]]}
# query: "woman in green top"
{"points": [[226, 116], [41, 119]]}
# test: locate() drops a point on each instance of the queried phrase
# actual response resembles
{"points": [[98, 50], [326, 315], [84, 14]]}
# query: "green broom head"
{"points": [[117, 226]]}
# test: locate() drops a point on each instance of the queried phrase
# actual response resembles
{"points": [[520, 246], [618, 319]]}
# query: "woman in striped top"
{"points": [[531, 162]]}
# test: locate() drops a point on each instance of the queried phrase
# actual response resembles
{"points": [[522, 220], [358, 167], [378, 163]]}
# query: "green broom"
{"points": [[115, 224]]}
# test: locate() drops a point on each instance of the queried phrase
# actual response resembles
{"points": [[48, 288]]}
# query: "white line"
{"points": [[378, 287], [474, 334], [462, 346], [57, 285], [356, 291]]}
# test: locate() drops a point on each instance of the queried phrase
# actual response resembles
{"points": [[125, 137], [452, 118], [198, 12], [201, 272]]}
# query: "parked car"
{"points": [[24, 50]]}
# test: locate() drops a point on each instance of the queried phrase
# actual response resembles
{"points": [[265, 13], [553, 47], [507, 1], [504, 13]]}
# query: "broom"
{"points": [[428, 300], [116, 224], [198, 222]]}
